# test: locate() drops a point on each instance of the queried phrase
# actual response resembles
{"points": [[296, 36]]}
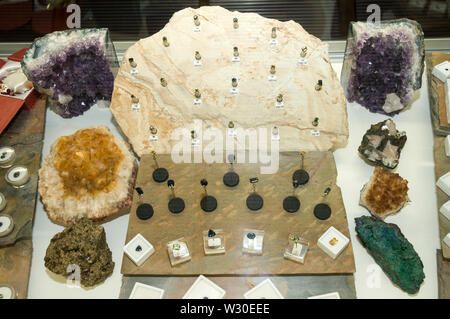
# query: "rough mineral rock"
{"points": [[392, 251], [90, 173], [170, 107], [82, 244], [74, 67], [385, 193], [383, 64], [382, 144]]}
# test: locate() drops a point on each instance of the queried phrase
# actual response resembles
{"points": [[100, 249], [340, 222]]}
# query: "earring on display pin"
{"points": [[254, 200], [322, 211], [291, 204], [300, 175], [176, 204], [160, 174], [231, 178], [208, 202], [143, 211]]}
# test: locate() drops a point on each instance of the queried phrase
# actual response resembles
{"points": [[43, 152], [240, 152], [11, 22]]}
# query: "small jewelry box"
{"points": [[203, 288], [333, 242], [252, 242], [264, 290], [139, 249], [445, 210], [444, 183], [297, 248], [214, 242], [447, 240], [331, 295], [178, 251], [141, 291]]}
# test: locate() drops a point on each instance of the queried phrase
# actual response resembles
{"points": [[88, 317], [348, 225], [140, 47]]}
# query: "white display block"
{"points": [[253, 245], [203, 288], [331, 295], [178, 251], [445, 210], [333, 242], [447, 240], [442, 71], [447, 99], [138, 249], [141, 291], [447, 144], [265, 290], [444, 183]]}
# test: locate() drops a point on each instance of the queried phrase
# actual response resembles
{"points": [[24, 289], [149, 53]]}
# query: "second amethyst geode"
{"points": [[75, 68], [383, 64]]}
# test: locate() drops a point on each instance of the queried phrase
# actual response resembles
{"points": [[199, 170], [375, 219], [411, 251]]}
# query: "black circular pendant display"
{"points": [[255, 202], [322, 211], [291, 204], [160, 175], [176, 205], [144, 211], [208, 203], [301, 176], [231, 179]]}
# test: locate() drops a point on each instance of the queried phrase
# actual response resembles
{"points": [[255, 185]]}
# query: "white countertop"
{"points": [[418, 220]]}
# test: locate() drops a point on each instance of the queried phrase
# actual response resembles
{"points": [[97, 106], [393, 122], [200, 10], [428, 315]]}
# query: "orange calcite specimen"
{"points": [[385, 193], [87, 162]]}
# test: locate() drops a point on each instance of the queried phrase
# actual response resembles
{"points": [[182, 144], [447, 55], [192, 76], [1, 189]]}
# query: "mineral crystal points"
{"points": [[90, 173], [74, 67], [383, 64], [382, 144], [166, 78], [392, 251], [82, 245], [385, 193]]}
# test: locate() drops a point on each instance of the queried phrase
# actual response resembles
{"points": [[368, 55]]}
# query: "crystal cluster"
{"points": [[382, 144], [383, 64], [392, 251], [84, 245], [75, 68]]}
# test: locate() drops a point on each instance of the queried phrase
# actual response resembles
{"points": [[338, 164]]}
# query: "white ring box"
{"points": [[264, 290], [7, 292], [444, 183], [178, 251], [141, 291], [138, 256], [6, 225], [17, 176], [333, 242], [447, 143], [214, 245], [7, 156], [445, 210], [447, 99], [253, 246], [442, 71], [296, 251], [331, 295], [203, 288], [2, 202], [447, 240]]}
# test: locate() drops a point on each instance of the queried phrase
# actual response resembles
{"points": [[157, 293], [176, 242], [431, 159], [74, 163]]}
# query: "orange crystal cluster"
{"points": [[87, 162], [387, 192]]}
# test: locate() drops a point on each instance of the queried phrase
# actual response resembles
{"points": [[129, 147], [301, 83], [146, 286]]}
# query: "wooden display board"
{"points": [[233, 216], [25, 134]]}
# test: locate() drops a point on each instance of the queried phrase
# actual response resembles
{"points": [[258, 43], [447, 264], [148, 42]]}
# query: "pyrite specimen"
{"points": [[392, 251], [382, 144], [383, 64], [84, 245], [385, 193], [74, 68]]}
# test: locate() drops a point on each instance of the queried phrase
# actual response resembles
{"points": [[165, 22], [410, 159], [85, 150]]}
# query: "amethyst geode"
{"points": [[383, 64], [75, 68]]}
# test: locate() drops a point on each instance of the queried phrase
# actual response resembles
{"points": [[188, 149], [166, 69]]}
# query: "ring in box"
{"points": [[214, 242], [17, 176], [178, 251], [139, 249], [333, 242], [7, 156], [331, 295], [297, 248], [253, 241], [141, 291], [203, 288], [265, 290]]}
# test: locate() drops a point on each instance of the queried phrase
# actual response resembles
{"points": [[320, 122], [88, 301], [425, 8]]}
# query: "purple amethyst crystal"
{"points": [[74, 68], [383, 64]]}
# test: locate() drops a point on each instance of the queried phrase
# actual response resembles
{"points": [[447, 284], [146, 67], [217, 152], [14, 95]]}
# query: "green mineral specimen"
{"points": [[82, 244], [392, 251]]}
